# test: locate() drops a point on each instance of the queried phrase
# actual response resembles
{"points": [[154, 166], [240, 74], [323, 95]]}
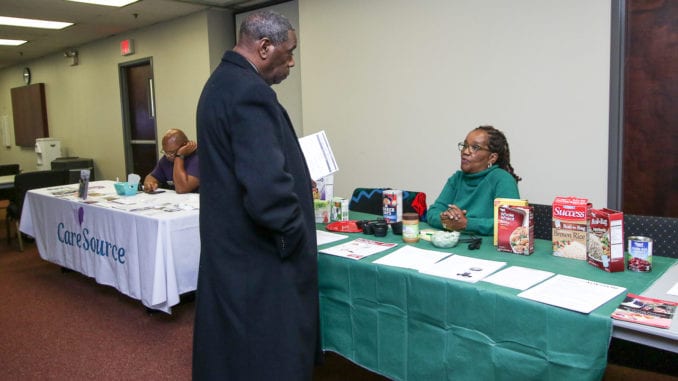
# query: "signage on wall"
{"points": [[127, 47]]}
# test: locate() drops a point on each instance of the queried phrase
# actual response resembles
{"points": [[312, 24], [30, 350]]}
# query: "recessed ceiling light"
{"points": [[12, 42], [32, 23], [110, 3]]}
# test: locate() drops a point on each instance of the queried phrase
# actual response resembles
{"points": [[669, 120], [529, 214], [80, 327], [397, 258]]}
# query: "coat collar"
{"points": [[237, 59]]}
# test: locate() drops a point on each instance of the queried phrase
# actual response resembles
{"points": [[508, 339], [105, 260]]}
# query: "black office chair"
{"points": [[6, 170], [23, 182], [371, 200]]}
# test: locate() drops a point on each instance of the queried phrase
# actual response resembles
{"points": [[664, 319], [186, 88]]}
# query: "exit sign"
{"points": [[127, 47]]}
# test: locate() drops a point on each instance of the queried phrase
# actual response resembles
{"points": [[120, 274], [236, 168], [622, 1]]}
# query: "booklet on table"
{"points": [[648, 311]]}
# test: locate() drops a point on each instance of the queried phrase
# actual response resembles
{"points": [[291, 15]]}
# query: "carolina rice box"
{"points": [[605, 248], [515, 228], [393, 205], [569, 229], [504, 201]]}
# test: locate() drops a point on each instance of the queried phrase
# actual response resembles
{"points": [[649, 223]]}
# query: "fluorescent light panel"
{"points": [[33, 23], [12, 42], [109, 3]]}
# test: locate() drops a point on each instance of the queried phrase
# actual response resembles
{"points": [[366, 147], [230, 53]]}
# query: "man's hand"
{"points": [[187, 148], [150, 184]]}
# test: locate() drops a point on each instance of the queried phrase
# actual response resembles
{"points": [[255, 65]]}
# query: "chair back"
{"points": [[542, 221], [23, 182], [371, 200], [9, 169], [662, 230]]}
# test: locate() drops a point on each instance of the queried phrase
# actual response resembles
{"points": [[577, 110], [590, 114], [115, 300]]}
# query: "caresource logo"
{"points": [[80, 215], [86, 240]]}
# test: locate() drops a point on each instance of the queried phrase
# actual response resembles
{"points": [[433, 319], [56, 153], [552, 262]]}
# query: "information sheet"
{"points": [[358, 248], [412, 258], [318, 153], [518, 277], [465, 269], [324, 237], [572, 293]]}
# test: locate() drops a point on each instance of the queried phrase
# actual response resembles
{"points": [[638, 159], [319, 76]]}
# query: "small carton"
{"points": [[339, 209], [393, 205], [322, 211], [570, 226], [504, 201], [515, 229], [605, 248]]}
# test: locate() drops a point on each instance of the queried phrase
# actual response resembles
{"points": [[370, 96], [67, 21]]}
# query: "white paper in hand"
{"points": [[318, 153]]}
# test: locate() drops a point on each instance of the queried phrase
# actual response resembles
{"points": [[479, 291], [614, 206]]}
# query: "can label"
{"points": [[640, 254], [411, 232]]}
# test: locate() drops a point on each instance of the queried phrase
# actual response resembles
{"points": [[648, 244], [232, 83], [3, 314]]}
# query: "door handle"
{"points": [[151, 98]]}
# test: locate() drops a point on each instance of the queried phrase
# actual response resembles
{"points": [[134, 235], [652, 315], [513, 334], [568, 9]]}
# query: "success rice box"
{"points": [[605, 248], [570, 225], [504, 201], [515, 229]]}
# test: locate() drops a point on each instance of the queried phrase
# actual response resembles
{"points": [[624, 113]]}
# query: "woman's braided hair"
{"points": [[499, 145]]}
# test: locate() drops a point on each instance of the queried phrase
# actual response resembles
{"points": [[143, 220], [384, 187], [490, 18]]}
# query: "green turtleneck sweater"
{"points": [[475, 193]]}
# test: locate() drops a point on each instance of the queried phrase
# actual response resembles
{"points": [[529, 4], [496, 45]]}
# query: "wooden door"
{"points": [[650, 132], [141, 152]]}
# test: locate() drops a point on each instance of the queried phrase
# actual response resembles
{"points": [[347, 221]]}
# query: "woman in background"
{"points": [[467, 199]]}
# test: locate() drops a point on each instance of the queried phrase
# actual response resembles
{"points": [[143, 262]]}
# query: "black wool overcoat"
{"points": [[257, 300]]}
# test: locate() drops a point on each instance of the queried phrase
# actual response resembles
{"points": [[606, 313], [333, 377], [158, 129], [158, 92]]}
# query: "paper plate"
{"points": [[344, 226]]}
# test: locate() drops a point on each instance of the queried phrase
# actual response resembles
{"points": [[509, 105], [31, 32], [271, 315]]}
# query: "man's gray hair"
{"points": [[268, 24]]}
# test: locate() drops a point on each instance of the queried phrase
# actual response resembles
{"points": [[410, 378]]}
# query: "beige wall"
{"points": [[397, 83], [83, 101]]}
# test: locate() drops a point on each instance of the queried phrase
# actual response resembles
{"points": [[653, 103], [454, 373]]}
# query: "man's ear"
{"points": [[265, 48]]}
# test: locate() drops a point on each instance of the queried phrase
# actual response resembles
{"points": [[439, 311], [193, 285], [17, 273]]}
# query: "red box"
{"points": [[515, 229], [570, 226], [605, 248]]}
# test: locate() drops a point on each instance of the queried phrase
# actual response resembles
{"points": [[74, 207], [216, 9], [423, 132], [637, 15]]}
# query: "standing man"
{"points": [[257, 309]]}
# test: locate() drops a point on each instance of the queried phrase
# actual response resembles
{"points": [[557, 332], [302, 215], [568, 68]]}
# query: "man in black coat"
{"points": [[257, 313]]}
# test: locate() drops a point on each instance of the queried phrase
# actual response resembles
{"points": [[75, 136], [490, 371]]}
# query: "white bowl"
{"points": [[445, 239]]}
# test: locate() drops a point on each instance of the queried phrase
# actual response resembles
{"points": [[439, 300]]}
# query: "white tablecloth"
{"points": [[146, 246]]}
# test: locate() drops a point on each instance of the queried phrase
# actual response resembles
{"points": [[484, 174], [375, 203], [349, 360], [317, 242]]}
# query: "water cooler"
{"points": [[47, 150]]}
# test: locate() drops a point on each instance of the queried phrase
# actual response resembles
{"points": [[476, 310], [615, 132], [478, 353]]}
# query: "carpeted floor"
{"points": [[58, 325]]}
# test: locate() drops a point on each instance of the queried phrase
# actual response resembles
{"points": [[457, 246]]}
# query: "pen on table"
{"points": [[443, 258]]}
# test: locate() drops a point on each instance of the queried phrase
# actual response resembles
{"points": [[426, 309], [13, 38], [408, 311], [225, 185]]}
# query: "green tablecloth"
{"points": [[411, 326]]}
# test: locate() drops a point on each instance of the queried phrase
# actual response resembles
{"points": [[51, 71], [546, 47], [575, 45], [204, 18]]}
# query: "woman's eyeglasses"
{"points": [[474, 148]]}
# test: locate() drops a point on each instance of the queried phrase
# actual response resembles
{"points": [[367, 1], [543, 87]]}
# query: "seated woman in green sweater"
{"points": [[467, 199]]}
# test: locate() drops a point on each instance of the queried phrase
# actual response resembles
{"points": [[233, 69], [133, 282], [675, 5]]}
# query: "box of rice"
{"points": [[516, 229], [569, 229], [605, 248]]}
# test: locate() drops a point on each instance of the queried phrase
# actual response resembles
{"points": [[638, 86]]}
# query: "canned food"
{"points": [[640, 254]]}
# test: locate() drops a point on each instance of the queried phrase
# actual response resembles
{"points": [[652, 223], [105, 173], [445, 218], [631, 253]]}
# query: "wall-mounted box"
{"points": [[29, 110]]}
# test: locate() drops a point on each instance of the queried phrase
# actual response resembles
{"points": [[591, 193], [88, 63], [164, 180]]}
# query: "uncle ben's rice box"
{"points": [[570, 225]]}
